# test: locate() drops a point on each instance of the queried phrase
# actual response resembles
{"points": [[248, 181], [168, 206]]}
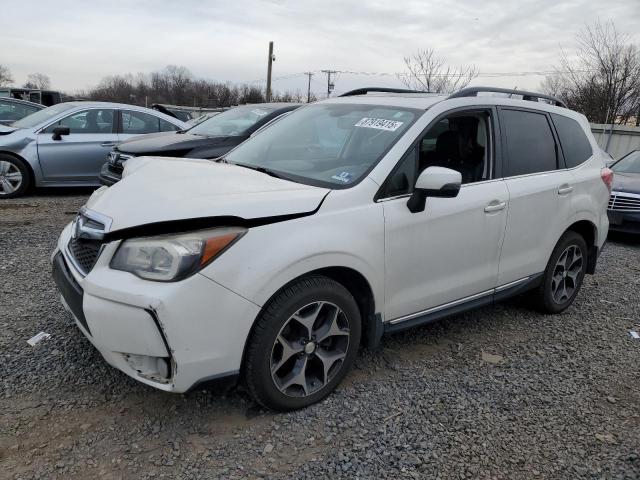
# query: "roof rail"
{"points": [[363, 91], [530, 96]]}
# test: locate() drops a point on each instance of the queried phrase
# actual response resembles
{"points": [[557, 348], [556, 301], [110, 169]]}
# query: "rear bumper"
{"points": [[107, 177], [195, 329], [624, 221]]}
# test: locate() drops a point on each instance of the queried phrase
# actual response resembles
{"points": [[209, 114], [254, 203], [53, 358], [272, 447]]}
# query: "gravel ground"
{"points": [[499, 393]]}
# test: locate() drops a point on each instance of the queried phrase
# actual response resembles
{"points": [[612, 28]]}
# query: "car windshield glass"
{"points": [[628, 164], [43, 115], [331, 145], [232, 122]]}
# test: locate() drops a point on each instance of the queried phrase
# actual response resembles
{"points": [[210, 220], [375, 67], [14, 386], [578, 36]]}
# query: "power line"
{"points": [[404, 74]]}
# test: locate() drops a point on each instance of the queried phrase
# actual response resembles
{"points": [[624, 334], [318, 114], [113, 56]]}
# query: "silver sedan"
{"points": [[66, 144]]}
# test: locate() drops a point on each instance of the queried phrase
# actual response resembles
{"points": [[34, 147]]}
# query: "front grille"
{"points": [[624, 202], [84, 253], [116, 162]]}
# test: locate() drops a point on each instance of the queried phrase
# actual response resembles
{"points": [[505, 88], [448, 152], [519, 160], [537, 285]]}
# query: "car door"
{"points": [[133, 123], [450, 251], [540, 193], [77, 157]]}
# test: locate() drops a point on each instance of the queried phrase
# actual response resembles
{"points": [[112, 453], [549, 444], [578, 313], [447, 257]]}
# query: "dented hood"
{"points": [[157, 189]]}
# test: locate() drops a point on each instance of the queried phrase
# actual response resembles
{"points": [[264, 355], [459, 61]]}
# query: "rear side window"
{"points": [[575, 145], [531, 147], [167, 126], [139, 122]]}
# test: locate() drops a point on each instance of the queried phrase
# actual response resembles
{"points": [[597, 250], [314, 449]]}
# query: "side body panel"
{"points": [[449, 251], [76, 157]]}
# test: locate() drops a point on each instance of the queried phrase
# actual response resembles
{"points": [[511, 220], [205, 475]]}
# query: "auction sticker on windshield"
{"points": [[379, 124], [259, 112]]}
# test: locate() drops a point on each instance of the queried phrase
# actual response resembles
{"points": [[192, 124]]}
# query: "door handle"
{"points": [[565, 189], [495, 206], [108, 144]]}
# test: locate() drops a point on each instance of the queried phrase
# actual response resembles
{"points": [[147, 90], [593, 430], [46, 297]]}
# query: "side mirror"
{"points": [[434, 182], [59, 131]]}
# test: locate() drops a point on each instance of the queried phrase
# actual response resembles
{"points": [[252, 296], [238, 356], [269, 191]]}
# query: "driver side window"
{"points": [[461, 142], [86, 121]]}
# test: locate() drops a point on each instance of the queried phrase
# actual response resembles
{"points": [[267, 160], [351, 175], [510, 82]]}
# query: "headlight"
{"points": [[169, 258]]}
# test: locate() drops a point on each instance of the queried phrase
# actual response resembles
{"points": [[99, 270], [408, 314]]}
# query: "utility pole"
{"points": [[309, 74], [271, 59], [329, 84]]}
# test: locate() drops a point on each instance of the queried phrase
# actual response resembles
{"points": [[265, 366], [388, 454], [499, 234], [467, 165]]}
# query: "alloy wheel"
{"points": [[310, 349], [566, 274], [10, 178]]}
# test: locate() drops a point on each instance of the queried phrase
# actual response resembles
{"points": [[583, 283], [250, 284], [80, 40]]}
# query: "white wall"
{"points": [[623, 138]]}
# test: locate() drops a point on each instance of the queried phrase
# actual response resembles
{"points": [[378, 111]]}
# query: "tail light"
{"points": [[607, 177]]}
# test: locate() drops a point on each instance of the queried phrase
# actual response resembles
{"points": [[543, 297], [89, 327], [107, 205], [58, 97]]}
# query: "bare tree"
{"points": [[602, 79], [427, 71], [5, 76], [176, 85], [38, 80]]}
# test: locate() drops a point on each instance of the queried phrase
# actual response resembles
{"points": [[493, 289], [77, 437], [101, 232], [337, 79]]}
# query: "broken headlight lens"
{"points": [[170, 258]]}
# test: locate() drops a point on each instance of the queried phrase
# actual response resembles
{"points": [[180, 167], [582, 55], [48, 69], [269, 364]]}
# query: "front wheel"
{"points": [[563, 275], [303, 344], [14, 177]]}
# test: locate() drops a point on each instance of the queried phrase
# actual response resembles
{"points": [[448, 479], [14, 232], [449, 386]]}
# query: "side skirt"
{"points": [[475, 301]]}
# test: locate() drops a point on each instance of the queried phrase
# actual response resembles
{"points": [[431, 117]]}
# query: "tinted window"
{"points": [[575, 146], [86, 121], [530, 143], [167, 126], [139, 122], [459, 142], [630, 163], [12, 111], [43, 115], [233, 122]]}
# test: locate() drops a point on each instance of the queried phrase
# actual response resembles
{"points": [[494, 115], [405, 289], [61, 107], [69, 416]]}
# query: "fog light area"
{"points": [[153, 368]]}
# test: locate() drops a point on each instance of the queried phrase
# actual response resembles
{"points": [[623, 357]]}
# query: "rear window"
{"points": [[575, 145], [531, 147]]}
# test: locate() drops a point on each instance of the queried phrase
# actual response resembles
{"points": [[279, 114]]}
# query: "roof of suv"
{"points": [[424, 100]]}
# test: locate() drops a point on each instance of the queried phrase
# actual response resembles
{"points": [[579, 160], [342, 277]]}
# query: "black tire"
{"points": [[545, 297], [293, 299], [18, 166]]}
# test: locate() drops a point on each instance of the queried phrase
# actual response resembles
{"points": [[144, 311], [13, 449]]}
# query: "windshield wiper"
{"points": [[264, 170]]}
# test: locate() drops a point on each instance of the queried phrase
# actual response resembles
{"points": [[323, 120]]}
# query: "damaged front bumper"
{"points": [[171, 336]]}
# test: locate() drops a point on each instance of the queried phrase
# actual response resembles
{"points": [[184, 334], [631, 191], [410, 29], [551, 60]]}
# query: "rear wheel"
{"points": [[304, 343], [14, 177], [564, 274]]}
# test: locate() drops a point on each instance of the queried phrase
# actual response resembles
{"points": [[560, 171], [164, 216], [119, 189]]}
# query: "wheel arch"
{"points": [[351, 279], [587, 230], [32, 174]]}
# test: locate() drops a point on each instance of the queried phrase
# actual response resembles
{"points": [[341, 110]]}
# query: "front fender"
{"points": [[270, 256]]}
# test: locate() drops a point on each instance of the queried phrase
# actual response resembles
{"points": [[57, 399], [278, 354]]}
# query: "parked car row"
{"points": [[341, 221], [67, 144], [209, 139], [70, 144]]}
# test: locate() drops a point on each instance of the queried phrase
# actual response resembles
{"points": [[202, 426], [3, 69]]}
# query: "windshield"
{"points": [[329, 145], [43, 115], [628, 164], [232, 122]]}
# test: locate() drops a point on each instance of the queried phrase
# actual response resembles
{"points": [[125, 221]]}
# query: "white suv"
{"points": [[349, 218]]}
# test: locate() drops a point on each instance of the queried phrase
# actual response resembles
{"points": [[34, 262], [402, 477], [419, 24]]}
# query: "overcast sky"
{"points": [[76, 43]]}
